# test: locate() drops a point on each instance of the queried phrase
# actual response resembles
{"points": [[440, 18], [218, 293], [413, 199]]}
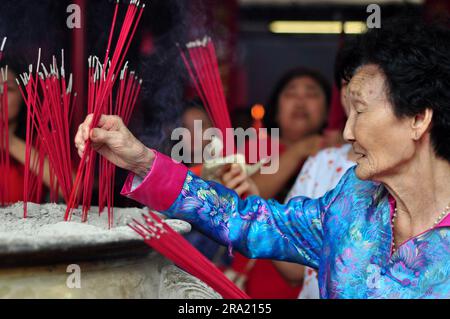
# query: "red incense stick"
{"points": [[4, 139], [49, 100], [200, 60], [164, 239], [102, 78]]}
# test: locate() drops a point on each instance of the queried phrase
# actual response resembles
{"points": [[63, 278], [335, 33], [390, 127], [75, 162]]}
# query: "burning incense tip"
{"points": [[198, 43], [3, 44], [45, 70], [69, 86], [5, 74]]}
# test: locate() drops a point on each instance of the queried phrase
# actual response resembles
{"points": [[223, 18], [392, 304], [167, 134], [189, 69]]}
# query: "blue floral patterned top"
{"points": [[346, 235]]}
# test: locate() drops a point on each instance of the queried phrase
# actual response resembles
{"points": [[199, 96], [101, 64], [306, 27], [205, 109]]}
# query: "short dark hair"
{"points": [[415, 59], [272, 105], [342, 59]]}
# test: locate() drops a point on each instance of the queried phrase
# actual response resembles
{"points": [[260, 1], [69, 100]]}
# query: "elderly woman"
{"points": [[383, 232]]}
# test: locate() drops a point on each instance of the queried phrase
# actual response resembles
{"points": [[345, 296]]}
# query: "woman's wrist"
{"points": [[144, 163]]}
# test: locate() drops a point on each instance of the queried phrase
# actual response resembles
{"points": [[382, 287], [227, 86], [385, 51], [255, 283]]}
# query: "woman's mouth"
{"points": [[360, 156], [299, 115]]}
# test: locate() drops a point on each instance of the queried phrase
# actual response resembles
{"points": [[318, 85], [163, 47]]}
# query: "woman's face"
{"points": [[14, 98], [301, 108], [381, 140], [189, 119]]}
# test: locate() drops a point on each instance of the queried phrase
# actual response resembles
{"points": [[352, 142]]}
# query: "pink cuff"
{"points": [[162, 185]]}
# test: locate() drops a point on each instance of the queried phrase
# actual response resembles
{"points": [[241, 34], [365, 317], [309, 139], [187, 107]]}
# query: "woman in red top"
{"points": [[17, 114]]}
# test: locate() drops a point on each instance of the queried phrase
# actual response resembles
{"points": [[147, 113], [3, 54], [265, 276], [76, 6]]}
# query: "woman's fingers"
{"points": [[232, 173], [112, 139], [80, 152], [222, 170], [106, 122], [242, 189], [101, 137], [85, 127], [110, 122], [238, 180], [234, 177], [82, 136], [79, 140]]}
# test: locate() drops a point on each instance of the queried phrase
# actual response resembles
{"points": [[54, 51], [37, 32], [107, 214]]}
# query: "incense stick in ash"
{"points": [[102, 80]]}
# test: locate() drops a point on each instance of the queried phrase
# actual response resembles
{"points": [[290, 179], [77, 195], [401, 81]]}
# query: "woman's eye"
{"points": [[313, 95]]}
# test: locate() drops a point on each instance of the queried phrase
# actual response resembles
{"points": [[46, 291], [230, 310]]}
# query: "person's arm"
{"points": [[291, 272], [255, 227], [294, 273], [269, 185], [234, 177]]}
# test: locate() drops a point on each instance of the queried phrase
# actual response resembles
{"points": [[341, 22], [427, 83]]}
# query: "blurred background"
{"points": [[254, 47], [257, 41]]}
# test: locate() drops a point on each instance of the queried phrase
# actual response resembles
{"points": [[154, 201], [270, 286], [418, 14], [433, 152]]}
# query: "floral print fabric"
{"points": [[346, 235]]}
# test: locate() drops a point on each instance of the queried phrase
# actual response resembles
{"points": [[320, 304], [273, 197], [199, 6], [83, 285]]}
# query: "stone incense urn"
{"points": [[44, 257]]}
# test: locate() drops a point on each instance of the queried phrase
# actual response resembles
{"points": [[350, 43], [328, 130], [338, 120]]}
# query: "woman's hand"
{"points": [[234, 177], [112, 139]]}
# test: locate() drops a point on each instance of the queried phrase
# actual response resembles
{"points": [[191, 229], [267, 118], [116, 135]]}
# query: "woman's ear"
{"points": [[421, 123]]}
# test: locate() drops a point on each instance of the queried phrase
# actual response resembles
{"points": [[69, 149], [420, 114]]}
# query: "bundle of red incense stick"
{"points": [[201, 62], [164, 239], [50, 105], [4, 133], [125, 101], [102, 80]]}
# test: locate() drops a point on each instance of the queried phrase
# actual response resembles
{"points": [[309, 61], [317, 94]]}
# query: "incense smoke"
{"points": [[165, 77]]}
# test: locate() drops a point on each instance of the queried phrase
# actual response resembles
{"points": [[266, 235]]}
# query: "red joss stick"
{"points": [[201, 62], [4, 139], [48, 99], [165, 240], [102, 79]]}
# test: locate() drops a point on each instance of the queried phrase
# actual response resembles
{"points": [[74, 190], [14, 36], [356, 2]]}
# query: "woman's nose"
{"points": [[300, 102], [349, 135]]}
